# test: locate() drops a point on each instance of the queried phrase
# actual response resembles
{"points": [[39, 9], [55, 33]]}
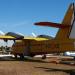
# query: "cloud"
{"points": [[2, 33], [20, 24], [14, 25]]}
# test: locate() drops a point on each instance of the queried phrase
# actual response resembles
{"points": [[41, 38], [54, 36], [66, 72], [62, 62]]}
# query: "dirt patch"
{"points": [[34, 67]]}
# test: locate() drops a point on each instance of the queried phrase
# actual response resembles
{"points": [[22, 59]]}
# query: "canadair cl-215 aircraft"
{"points": [[64, 40]]}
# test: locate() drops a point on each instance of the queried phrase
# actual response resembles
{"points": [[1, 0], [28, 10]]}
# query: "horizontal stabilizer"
{"points": [[50, 24]]}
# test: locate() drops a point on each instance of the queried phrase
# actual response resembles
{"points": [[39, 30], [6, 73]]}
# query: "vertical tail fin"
{"points": [[63, 33], [67, 28]]}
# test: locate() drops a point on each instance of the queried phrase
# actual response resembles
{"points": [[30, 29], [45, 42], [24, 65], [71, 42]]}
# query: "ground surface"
{"points": [[34, 67]]}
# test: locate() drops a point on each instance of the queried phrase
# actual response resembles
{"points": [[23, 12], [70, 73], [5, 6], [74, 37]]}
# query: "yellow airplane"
{"points": [[64, 40]]}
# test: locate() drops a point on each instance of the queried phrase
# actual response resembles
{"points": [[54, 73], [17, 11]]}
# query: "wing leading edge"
{"points": [[4, 37]]}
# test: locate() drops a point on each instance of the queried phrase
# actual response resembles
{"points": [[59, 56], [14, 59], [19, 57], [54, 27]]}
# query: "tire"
{"points": [[44, 56], [15, 56]]}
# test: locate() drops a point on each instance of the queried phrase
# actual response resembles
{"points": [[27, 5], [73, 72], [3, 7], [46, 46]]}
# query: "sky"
{"points": [[20, 15]]}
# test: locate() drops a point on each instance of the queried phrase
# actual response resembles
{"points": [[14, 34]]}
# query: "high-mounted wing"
{"points": [[52, 24], [4, 37]]}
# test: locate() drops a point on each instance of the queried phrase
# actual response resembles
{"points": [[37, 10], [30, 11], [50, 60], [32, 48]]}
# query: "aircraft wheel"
{"points": [[15, 55], [44, 56]]}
